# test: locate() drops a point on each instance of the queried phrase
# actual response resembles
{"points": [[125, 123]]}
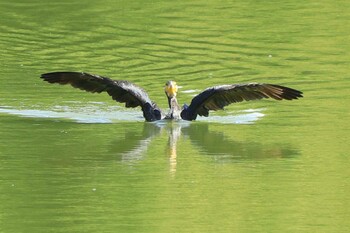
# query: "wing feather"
{"points": [[120, 90], [216, 98]]}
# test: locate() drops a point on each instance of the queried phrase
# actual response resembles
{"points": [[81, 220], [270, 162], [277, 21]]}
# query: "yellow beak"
{"points": [[171, 88]]}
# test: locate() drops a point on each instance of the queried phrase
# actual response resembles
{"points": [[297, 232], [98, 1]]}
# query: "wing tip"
{"points": [[58, 76], [50, 77], [287, 93]]}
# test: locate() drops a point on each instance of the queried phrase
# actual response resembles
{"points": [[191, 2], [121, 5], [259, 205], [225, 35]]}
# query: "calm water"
{"points": [[76, 162]]}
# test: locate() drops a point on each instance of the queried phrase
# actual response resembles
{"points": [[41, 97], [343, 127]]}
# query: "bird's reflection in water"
{"points": [[174, 132], [212, 143], [134, 145], [223, 149]]}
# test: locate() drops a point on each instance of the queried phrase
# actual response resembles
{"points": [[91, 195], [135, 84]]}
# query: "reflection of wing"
{"points": [[134, 144], [218, 145], [218, 97], [121, 91], [137, 152]]}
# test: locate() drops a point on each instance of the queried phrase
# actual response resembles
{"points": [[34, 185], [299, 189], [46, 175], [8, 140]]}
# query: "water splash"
{"points": [[95, 114], [82, 115], [249, 116]]}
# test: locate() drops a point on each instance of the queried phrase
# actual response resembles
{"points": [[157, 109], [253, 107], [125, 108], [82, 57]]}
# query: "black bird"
{"points": [[213, 98]]}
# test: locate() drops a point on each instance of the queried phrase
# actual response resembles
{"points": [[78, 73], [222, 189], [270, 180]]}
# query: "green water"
{"points": [[78, 162]]}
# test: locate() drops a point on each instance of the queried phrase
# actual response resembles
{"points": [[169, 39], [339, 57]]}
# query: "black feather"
{"points": [[120, 90], [216, 98]]}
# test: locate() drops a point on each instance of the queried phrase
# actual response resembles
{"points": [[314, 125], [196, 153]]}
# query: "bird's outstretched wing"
{"points": [[216, 98], [120, 90]]}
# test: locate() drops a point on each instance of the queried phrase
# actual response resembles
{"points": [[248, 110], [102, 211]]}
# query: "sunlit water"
{"points": [[72, 161]]}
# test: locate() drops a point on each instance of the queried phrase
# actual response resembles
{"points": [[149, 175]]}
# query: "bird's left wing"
{"points": [[120, 90], [216, 98]]}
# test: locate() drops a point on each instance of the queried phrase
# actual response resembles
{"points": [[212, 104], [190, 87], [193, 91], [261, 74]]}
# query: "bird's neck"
{"points": [[174, 112]]}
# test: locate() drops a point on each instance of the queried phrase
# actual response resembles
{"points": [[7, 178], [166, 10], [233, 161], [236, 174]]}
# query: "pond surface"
{"points": [[72, 161]]}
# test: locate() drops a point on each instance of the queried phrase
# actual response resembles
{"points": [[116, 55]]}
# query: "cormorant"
{"points": [[213, 98]]}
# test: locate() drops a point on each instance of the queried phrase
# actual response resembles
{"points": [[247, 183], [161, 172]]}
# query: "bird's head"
{"points": [[170, 89]]}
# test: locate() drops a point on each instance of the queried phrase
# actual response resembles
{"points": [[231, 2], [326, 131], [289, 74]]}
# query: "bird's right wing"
{"points": [[216, 98], [120, 90]]}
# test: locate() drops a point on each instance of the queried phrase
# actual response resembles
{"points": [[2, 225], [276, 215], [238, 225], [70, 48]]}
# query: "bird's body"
{"points": [[213, 98]]}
